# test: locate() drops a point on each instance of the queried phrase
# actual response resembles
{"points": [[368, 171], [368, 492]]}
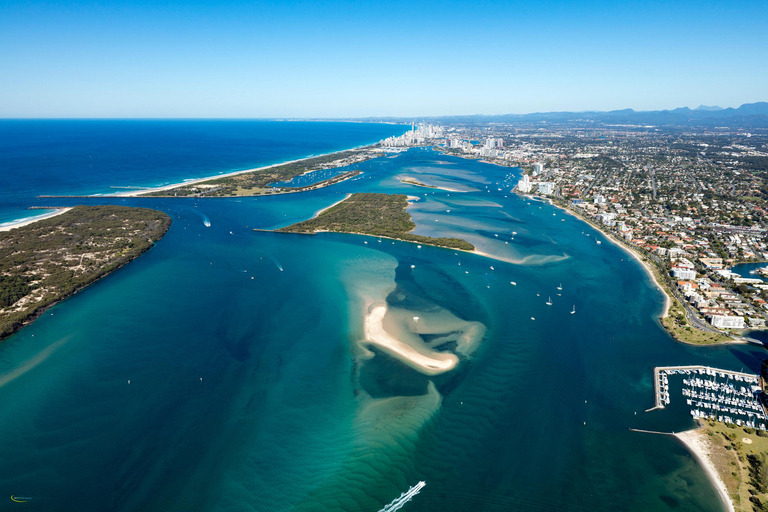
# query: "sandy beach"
{"points": [[134, 193], [408, 180], [433, 363], [634, 254], [26, 222], [697, 443], [318, 212]]}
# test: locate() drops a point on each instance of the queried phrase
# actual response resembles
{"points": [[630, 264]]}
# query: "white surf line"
{"points": [[25, 222]]}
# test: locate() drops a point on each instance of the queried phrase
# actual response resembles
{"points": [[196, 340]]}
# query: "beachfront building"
{"points": [[683, 273], [546, 188], [727, 321], [525, 185]]}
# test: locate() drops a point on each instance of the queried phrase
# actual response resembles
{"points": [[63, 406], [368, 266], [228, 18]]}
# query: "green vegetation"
{"points": [[46, 261], [678, 327], [675, 323], [259, 182], [414, 181], [740, 456], [373, 214]]}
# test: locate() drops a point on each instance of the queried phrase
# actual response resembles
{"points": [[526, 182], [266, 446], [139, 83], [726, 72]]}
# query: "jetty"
{"points": [[716, 394]]}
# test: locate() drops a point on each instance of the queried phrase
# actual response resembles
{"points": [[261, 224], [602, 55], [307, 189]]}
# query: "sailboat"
{"points": [[549, 301], [560, 286], [574, 310]]}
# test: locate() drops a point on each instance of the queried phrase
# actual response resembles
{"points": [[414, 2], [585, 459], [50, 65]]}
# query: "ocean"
{"points": [[76, 157], [224, 370]]}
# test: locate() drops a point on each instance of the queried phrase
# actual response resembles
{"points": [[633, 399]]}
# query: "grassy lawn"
{"points": [[732, 447], [679, 328]]}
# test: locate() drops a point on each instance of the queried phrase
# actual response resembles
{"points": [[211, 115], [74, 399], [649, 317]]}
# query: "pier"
{"points": [[712, 393]]}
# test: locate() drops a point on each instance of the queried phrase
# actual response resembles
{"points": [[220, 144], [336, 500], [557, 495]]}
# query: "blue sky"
{"points": [[351, 59]]}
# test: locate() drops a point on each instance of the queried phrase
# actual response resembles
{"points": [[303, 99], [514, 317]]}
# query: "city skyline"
{"points": [[344, 60]]}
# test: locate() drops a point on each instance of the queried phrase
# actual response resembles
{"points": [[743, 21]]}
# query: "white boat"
{"points": [[574, 310], [560, 286], [513, 283], [549, 301], [599, 242]]}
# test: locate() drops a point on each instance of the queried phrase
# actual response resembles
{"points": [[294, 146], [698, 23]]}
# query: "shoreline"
{"points": [[428, 364], [163, 188], [692, 439], [631, 252], [318, 212], [649, 269], [25, 222], [149, 190], [416, 183]]}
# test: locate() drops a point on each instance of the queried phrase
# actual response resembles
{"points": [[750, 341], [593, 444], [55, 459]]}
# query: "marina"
{"points": [[712, 393]]}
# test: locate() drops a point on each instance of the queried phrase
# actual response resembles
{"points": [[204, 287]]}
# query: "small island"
{"points": [[46, 261], [373, 214], [414, 181]]}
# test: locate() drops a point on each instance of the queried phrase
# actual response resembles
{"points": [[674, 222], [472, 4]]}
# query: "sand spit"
{"points": [[25, 222], [698, 444], [408, 180], [427, 361], [187, 183]]}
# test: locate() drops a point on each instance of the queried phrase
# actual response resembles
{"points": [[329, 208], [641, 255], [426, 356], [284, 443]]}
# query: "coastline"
{"points": [[318, 212], [650, 269], [25, 222], [630, 251], [697, 445], [163, 188]]}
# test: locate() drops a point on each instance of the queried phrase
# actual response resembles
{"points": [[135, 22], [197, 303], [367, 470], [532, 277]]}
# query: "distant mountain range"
{"points": [[749, 115]]}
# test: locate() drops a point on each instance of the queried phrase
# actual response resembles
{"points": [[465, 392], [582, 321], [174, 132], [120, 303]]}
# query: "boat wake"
{"points": [[404, 498], [277, 263]]}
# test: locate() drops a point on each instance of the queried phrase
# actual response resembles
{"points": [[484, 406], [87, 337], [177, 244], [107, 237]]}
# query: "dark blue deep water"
{"points": [[57, 157], [250, 388]]}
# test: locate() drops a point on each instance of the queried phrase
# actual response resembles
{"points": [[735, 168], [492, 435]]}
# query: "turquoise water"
{"points": [[293, 414]]}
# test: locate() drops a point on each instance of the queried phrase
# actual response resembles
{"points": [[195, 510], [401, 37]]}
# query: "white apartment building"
{"points": [[727, 322]]}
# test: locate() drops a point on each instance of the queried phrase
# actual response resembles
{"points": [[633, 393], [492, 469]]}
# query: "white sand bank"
{"points": [[431, 363]]}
